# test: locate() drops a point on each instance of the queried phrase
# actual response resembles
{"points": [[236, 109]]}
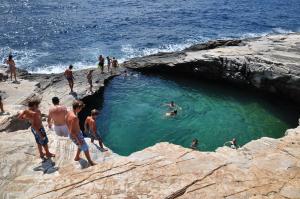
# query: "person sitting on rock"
{"points": [[33, 115], [91, 128], [194, 144], [57, 115], [232, 144], [172, 113], [69, 75], [90, 79], [12, 67], [75, 132]]}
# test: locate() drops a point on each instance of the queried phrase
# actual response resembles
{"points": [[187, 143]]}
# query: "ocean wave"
{"points": [[28, 59]]}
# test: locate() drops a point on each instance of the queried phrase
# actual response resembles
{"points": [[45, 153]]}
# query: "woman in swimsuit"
{"points": [[12, 67]]}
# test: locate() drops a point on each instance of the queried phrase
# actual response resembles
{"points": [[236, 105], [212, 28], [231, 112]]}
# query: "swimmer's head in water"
{"points": [[34, 103], [172, 103], [195, 141], [175, 112], [71, 67], [55, 100], [10, 57]]}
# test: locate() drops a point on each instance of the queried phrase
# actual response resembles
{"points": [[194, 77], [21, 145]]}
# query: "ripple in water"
{"points": [[133, 116]]}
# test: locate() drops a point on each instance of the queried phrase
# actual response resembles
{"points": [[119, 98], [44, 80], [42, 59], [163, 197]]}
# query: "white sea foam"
{"points": [[29, 58]]}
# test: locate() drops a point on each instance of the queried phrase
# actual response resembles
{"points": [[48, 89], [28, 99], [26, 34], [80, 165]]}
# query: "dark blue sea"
{"points": [[46, 36]]}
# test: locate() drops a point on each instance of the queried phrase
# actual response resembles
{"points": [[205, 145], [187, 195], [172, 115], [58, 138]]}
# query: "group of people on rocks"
{"points": [[112, 65], [65, 123]]}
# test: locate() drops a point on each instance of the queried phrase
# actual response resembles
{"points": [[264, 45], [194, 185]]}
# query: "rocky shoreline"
{"points": [[269, 63], [264, 168]]}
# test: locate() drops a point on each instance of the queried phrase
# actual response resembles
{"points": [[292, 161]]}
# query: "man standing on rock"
{"points": [[69, 75], [75, 132], [34, 116], [91, 128], [101, 63], [114, 64], [57, 115]]}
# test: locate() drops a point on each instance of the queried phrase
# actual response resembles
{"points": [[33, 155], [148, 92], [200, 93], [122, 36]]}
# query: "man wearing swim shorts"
{"points": [[91, 128], [33, 115], [101, 63], [69, 75], [75, 132], [57, 116]]}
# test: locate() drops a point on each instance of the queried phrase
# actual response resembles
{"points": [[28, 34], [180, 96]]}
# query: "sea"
{"points": [[46, 36]]}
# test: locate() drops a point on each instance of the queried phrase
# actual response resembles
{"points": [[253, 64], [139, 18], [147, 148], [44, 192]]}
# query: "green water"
{"points": [[133, 117]]}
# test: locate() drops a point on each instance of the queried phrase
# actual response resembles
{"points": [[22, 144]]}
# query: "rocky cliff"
{"points": [[264, 168], [270, 63]]}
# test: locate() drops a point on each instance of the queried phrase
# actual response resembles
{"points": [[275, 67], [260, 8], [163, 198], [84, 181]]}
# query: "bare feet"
{"points": [[50, 155], [104, 149], [76, 158], [92, 163]]}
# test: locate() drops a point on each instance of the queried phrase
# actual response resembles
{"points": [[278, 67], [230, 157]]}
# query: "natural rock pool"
{"points": [[133, 115]]}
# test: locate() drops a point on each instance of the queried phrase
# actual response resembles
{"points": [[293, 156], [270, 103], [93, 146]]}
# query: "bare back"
{"points": [[58, 115], [34, 117], [72, 122]]}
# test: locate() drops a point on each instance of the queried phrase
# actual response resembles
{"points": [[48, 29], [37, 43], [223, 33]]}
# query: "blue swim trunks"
{"points": [[38, 138], [84, 147]]}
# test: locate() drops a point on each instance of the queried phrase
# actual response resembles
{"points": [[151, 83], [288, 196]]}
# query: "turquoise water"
{"points": [[133, 115]]}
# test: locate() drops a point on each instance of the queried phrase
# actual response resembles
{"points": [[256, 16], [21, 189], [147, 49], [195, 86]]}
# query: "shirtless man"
{"points": [[12, 67], [33, 115], [69, 75], [91, 129], [101, 63], [75, 132], [57, 115], [90, 79]]}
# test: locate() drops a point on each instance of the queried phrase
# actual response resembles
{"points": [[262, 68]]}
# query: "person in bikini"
{"points": [[12, 67], [75, 132], [91, 129], [90, 79], [101, 63], [34, 116], [57, 116], [69, 75]]}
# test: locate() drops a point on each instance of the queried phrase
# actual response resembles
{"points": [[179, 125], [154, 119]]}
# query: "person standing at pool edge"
{"points": [[69, 75], [12, 67], [101, 63], [75, 132], [91, 128], [90, 79], [108, 63]]}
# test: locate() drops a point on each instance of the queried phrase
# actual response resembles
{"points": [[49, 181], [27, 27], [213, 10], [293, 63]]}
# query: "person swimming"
{"points": [[172, 105], [194, 144], [172, 113]]}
